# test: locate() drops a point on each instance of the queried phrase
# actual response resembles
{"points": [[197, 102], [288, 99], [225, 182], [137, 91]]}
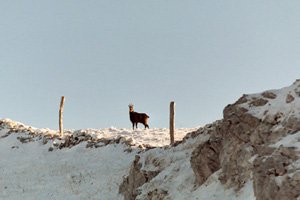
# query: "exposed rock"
{"points": [[205, 159], [158, 194], [242, 99], [239, 124], [5, 135], [289, 152], [289, 98], [210, 129], [130, 184], [136, 178], [90, 145], [244, 136], [273, 119], [267, 169], [297, 91], [290, 188], [269, 95], [25, 139], [258, 102], [50, 149], [263, 150], [45, 141], [292, 123]]}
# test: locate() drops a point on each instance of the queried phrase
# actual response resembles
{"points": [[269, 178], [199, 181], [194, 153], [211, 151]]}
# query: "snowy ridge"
{"points": [[278, 165], [275, 106], [155, 137], [30, 170]]}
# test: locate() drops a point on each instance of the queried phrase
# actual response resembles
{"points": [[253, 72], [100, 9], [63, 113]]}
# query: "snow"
{"points": [[31, 171], [277, 106], [176, 174], [213, 190], [279, 180], [289, 141], [154, 137]]}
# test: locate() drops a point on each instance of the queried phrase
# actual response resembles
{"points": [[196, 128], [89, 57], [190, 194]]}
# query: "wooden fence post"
{"points": [[172, 121], [61, 109]]}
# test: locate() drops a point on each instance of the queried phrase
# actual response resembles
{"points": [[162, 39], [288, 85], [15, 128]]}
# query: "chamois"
{"points": [[136, 118]]}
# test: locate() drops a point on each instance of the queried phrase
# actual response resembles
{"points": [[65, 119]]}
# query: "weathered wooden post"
{"points": [[172, 121], [61, 109]]}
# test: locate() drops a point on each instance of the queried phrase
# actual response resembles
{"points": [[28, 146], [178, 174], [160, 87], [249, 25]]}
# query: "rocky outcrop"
{"points": [[269, 95], [258, 102], [158, 194], [241, 132], [244, 150], [205, 159], [289, 98], [136, 178], [68, 140], [271, 176], [232, 146], [239, 147]]}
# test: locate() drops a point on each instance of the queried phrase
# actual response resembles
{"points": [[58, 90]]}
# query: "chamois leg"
{"points": [[146, 126], [132, 126], [136, 125]]}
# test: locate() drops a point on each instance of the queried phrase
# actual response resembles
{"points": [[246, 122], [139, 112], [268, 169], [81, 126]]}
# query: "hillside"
{"points": [[84, 164], [252, 153]]}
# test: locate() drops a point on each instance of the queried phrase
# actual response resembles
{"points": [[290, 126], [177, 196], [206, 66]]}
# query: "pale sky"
{"points": [[103, 55]]}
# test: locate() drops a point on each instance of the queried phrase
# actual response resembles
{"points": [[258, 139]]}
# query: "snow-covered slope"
{"points": [[35, 165], [252, 153]]}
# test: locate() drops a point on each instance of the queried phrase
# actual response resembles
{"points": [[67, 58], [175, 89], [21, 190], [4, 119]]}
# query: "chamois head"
{"points": [[130, 107]]}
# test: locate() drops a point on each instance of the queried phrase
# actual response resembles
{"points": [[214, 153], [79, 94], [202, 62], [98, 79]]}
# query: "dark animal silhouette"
{"points": [[136, 118]]}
